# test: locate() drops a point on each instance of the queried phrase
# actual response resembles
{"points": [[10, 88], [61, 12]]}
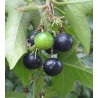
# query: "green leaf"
{"points": [[72, 70], [88, 60], [50, 92], [22, 73], [16, 29], [36, 19], [78, 89], [36, 16], [8, 85], [39, 85], [76, 12], [71, 95], [14, 95]]}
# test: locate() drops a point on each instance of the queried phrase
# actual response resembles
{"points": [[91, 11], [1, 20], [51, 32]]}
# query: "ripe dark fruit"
{"points": [[43, 40], [52, 66], [31, 62], [63, 42], [30, 39]]}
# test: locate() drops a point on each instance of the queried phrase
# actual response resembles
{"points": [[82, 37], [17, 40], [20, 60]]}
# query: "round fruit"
{"points": [[54, 49], [30, 39], [52, 66], [63, 42], [31, 62], [43, 40]]}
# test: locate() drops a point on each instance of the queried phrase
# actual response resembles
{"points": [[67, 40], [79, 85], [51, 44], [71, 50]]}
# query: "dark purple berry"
{"points": [[32, 62], [31, 37], [52, 66], [63, 42]]}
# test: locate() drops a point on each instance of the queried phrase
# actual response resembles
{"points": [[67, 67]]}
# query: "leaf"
{"points": [[88, 60], [76, 12], [36, 16], [14, 95], [39, 83], [22, 73], [8, 85], [79, 89], [50, 92], [16, 28], [71, 95], [72, 70]]}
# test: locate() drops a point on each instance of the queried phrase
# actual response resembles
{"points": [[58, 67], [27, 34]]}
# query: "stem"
{"points": [[59, 3], [65, 0], [34, 89], [47, 1], [52, 51], [35, 53], [30, 8], [42, 96], [35, 77], [33, 7], [59, 10]]}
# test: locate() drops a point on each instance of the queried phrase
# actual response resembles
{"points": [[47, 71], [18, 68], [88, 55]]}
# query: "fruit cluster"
{"points": [[51, 43]]}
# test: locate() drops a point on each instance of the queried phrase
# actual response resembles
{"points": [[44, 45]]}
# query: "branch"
{"points": [[30, 8]]}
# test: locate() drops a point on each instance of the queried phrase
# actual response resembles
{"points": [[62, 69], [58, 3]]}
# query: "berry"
{"points": [[63, 42], [30, 39], [52, 66], [43, 40], [31, 62], [54, 49]]}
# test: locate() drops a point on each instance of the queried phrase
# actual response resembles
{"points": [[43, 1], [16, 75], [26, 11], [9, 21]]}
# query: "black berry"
{"points": [[32, 62], [52, 66], [63, 42], [30, 39]]}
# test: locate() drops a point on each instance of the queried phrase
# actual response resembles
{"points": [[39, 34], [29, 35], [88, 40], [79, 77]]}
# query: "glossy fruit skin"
{"points": [[31, 62], [43, 40], [54, 48], [52, 66], [30, 39], [63, 42]]}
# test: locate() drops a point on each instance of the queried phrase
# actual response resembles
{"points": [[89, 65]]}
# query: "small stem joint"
{"points": [[41, 95]]}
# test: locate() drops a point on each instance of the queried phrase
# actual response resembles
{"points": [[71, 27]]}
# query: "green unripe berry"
{"points": [[43, 40]]}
